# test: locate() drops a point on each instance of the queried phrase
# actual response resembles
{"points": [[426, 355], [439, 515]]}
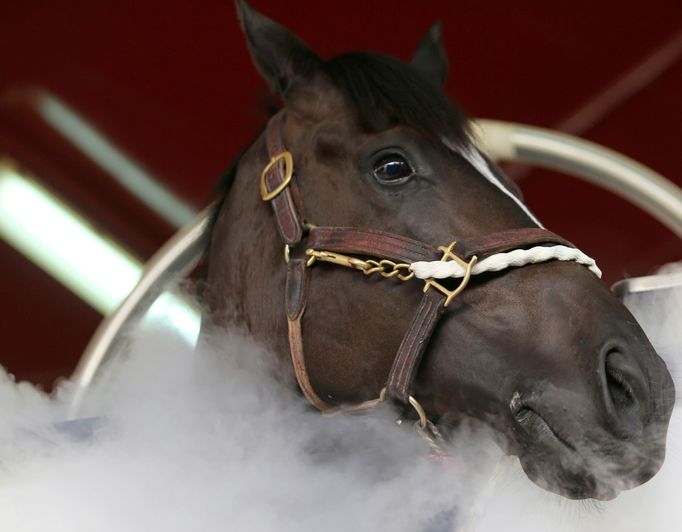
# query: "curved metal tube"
{"points": [[174, 260], [623, 176], [500, 140]]}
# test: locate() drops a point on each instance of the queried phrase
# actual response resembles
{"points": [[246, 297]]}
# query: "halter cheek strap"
{"points": [[278, 187], [390, 256]]}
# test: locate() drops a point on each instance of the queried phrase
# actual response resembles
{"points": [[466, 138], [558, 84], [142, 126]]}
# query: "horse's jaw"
{"points": [[567, 379]]}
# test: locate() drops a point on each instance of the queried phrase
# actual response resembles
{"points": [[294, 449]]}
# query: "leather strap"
{"points": [[296, 288], [397, 247], [414, 343], [284, 205], [485, 245], [371, 242]]}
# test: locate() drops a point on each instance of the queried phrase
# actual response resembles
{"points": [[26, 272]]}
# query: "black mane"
{"points": [[382, 88]]}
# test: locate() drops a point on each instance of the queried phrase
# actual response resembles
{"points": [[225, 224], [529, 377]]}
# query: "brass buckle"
{"points": [[449, 255], [335, 258], [285, 156], [413, 403]]}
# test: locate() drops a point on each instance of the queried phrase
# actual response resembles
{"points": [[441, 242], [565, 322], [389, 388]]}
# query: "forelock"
{"points": [[385, 91]]}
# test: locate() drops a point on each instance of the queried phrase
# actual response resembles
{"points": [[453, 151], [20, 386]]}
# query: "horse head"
{"points": [[544, 354]]}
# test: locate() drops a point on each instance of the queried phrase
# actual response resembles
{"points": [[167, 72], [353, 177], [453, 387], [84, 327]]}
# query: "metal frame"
{"points": [[596, 164], [650, 283], [505, 141], [173, 261]]}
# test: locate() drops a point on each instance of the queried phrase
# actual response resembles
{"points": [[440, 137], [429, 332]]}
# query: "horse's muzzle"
{"points": [[599, 437]]}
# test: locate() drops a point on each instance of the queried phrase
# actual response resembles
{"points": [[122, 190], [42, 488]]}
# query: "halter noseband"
{"points": [[394, 256]]}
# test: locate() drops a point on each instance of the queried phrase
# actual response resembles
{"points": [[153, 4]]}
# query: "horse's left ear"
{"points": [[429, 58], [278, 54]]}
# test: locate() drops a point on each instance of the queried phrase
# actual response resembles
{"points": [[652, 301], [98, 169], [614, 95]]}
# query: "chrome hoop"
{"points": [[650, 191]]}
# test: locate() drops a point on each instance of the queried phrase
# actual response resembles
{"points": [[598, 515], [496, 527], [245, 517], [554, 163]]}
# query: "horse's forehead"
{"points": [[317, 103], [322, 110]]}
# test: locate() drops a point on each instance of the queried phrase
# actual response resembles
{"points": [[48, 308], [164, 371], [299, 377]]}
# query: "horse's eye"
{"points": [[393, 170]]}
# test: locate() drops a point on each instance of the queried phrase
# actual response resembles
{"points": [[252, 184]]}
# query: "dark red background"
{"points": [[170, 82]]}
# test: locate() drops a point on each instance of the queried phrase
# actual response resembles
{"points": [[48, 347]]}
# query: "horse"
{"points": [[369, 172]]}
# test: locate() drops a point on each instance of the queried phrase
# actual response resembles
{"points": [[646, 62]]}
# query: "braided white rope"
{"points": [[501, 261]]}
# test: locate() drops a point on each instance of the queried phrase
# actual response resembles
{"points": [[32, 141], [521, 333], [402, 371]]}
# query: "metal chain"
{"points": [[384, 267], [389, 269], [396, 270]]}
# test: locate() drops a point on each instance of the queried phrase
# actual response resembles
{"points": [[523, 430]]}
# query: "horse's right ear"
{"points": [[279, 55], [430, 58]]}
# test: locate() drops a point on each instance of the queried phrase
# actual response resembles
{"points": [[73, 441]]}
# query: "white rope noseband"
{"points": [[511, 259]]}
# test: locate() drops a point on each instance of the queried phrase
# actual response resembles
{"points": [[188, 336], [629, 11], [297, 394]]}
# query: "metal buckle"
{"points": [[449, 255], [288, 174], [335, 258], [413, 403]]}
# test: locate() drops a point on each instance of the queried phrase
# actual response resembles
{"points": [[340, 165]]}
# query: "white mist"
{"points": [[214, 441]]}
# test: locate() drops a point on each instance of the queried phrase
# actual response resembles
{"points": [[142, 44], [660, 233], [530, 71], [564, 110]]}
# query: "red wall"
{"points": [[171, 84]]}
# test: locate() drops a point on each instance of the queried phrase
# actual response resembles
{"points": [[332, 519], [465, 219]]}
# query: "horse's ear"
{"points": [[279, 55], [429, 58]]}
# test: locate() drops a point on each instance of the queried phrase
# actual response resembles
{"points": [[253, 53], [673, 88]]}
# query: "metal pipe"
{"points": [[623, 176], [174, 260]]}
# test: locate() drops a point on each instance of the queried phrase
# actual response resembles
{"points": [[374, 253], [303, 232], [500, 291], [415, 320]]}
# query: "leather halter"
{"points": [[395, 253]]}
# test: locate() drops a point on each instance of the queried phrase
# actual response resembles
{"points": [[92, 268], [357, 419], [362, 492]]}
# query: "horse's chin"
{"points": [[587, 487], [600, 469]]}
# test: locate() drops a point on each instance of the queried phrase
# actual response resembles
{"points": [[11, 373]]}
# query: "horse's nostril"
{"points": [[620, 391], [626, 392]]}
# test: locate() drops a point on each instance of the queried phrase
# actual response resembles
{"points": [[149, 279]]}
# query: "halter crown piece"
{"points": [[394, 257]]}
